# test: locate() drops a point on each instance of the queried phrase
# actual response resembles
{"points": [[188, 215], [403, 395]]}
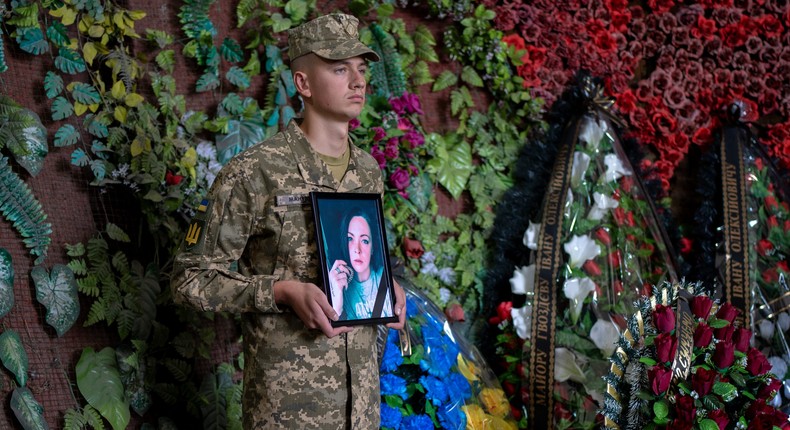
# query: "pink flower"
{"points": [[455, 313], [378, 134], [399, 179], [354, 123]]}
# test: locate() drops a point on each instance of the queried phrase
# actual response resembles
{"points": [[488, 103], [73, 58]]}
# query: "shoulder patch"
{"points": [[197, 226]]}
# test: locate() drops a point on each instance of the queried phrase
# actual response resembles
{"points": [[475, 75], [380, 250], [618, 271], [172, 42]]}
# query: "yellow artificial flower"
{"points": [[495, 401], [467, 368], [475, 417]]}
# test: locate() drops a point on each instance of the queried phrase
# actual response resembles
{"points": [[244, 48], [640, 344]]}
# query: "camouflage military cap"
{"points": [[333, 37]]}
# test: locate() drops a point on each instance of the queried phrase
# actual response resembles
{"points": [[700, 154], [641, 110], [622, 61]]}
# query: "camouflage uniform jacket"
{"points": [[293, 377]]}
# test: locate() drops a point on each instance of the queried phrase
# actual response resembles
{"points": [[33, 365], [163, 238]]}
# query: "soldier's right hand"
{"points": [[310, 305]]}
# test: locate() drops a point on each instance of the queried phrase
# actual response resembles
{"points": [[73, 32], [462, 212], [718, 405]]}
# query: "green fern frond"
{"points": [[22, 209], [96, 313], [3, 65], [387, 76]]}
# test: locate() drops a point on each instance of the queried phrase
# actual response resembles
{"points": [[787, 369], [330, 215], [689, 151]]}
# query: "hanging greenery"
{"points": [[6, 282]]}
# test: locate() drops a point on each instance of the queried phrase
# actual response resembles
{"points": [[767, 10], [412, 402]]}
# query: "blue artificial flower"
{"points": [[416, 422], [390, 417], [393, 385], [435, 390], [458, 386], [451, 416], [411, 306], [440, 352], [392, 358]]}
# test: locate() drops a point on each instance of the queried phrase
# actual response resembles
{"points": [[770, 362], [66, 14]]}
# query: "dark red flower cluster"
{"points": [[670, 65]]}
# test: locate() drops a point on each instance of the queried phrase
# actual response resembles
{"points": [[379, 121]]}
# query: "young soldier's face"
{"points": [[338, 87]]}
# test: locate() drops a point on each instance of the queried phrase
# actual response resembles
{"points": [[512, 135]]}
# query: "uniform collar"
{"points": [[313, 170]]}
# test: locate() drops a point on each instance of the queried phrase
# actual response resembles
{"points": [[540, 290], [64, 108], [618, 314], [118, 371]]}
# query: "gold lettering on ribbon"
{"points": [[685, 324]]}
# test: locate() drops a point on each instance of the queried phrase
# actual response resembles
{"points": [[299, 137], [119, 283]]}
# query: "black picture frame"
{"points": [[341, 253]]}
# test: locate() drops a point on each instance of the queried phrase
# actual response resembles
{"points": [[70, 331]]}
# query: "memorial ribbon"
{"points": [[685, 325]]}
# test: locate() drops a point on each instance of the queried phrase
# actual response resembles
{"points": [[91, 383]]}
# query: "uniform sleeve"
{"points": [[216, 238]]}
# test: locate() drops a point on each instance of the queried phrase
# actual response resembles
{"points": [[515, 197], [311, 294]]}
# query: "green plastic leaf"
{"points": [[23, 210], [207, 82], [96, 125], [23, 133], [470, 76], [99, 169], [166, 60], [69, 61], [6, 282], [231, 50], [66, 135], [27, 410], [100, 384], [116, 233], [57, 291], [32, 40], [424, 43], [214, 409], [661, 409], [53, 84], [57, 33], [708, 424], [238, 77], [85, 94], [13, 355], [61, 108], [452, 165], [80, 158], [241, 135], [445, 79]]}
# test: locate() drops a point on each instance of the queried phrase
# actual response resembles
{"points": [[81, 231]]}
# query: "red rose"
{"points": [[503, 311], [603, 236], [702, 381], [770, 275], [664, 318], [685, 409], [772, 221], [728, 312], [724, 355], [678, 424], [685, 245], [700, 306], [660, 377], [173, 179], [768, 391], [703, 335], [413, 248], [455, 313], [741, 338], [561, 412], [626, 101], [764, 247], [720, 417], [756, 363], [619, 215], [770, 203], [614, 259], [591, 268], [725, 333], [666, 346]]}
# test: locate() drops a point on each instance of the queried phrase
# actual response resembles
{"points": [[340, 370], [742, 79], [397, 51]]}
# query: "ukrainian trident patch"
{"points": [[197, 226]]}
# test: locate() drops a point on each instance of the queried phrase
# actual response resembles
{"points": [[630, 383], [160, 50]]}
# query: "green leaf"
{"points": [[57, 33], [661, 409], [214, 407], [726, 390], [53, 84], [100, 384], [296, 9], [452, 165], [420, 74], [445, 79], [207, 82], [238, 77], [61, 108], [166, 60], [23, 133], [424, 43], [6, 282], [99, 169], [32, 40], [241, 135], [66, 135], [470, 76], [708, 424], [27, 410], [57, 291], [116, 233], [13, 355], [80, 158], [69, 61], [460, 99], [85, 94], [718, 323], [231, 50], [280, 23]]}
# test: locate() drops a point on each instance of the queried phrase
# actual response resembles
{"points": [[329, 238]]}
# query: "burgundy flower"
{"points": [[769, 390], [741, 339], [756, 363], [666, 346], [702, 381], [353, 124], [455, 313], [603, 236], [660, 378], [725, 333], [173, 179], [765, 247], [721, 418], [378, 134], [728, 312], [377, 154], [591, 268], [412, 248], [664, 318], [724, 355], [685, 409], [399, 179], [701, 306]]}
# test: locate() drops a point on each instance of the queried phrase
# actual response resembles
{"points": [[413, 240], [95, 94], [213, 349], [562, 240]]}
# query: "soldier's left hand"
{"points": [[400, 307]]}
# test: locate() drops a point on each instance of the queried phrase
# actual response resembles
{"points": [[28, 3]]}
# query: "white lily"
{"points": [[581, 249], [605, 335], [576, 290], [523, 280], [614, 168], [581, 162], [601, 204], [530, 238], [566, 366], [592, 132], [522, 320]]}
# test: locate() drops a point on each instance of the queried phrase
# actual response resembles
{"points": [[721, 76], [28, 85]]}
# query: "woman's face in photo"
{"points": [[359, 246]]}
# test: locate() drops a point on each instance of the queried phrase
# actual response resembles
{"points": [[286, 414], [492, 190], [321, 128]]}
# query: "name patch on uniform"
{"points": [[293, 199]]}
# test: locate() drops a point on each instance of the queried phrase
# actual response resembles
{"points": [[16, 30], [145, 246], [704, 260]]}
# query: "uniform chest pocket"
{"points": [[296, 249]]}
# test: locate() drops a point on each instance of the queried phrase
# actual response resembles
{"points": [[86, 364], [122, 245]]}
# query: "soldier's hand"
{"points": [[310, 305], [400, 307]]}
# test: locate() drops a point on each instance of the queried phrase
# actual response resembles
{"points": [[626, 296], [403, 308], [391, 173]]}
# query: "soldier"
{"points": [[300, 372]]}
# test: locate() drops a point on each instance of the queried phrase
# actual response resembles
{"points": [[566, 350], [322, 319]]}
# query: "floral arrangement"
{"points": [[669, 64], [443, 383], [683, 363]]}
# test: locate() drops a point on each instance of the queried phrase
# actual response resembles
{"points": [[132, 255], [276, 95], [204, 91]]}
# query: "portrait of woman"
{"points": [[355, 276]]}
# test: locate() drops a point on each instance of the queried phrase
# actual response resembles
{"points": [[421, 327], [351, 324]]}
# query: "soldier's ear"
{"points": [[302, 83]]}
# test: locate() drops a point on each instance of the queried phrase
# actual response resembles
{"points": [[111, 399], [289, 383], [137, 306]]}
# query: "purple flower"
{"points": [[391, 149], [354, 123], [375, 151], [415, 138], [399, 179], [378, 134], [407, 103]]}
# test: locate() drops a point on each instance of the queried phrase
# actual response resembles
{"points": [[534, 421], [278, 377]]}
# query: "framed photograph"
{"points": [[352, 247]]}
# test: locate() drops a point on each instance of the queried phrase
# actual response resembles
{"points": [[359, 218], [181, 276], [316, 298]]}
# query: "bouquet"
{"points": [[683, 364], [444, 383]]}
